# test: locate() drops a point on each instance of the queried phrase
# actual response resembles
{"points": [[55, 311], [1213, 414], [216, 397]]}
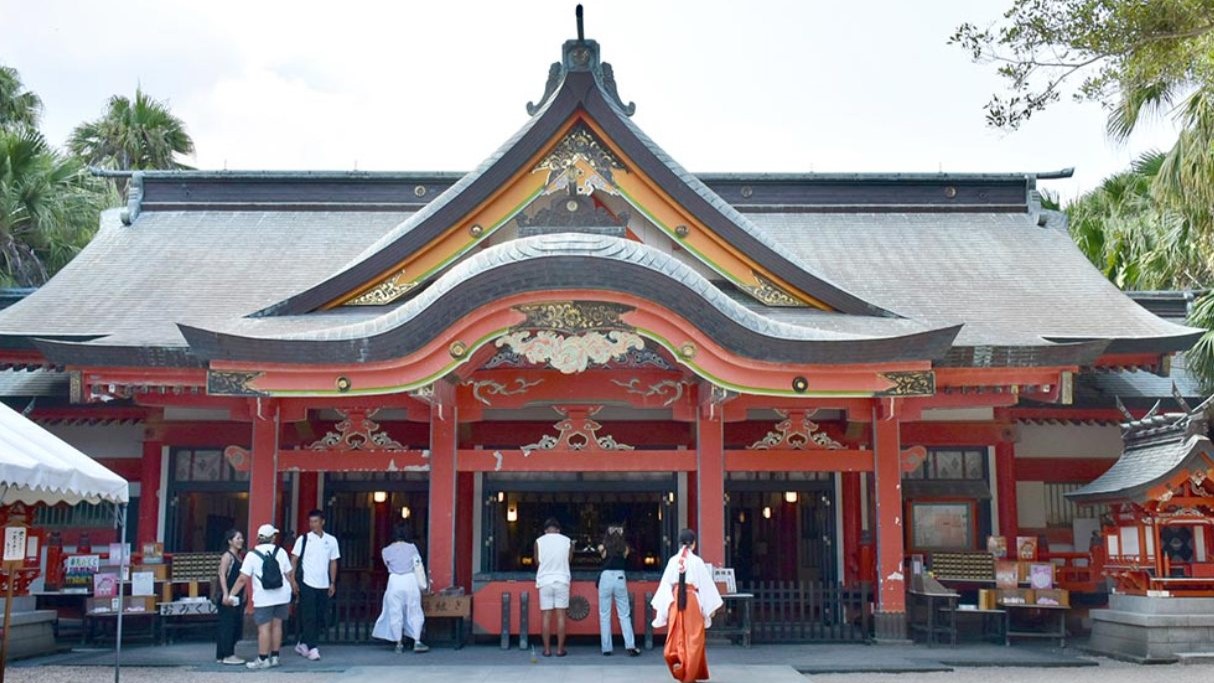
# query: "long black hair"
{"points": [[403, 533], [687, 538], [613, 541], [227, 539]]}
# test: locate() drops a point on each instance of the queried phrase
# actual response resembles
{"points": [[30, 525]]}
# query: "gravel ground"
{"points": [[96, 674], [1107, 672]]}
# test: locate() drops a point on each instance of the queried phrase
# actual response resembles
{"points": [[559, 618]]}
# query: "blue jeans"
{"points": [[613, 585]]}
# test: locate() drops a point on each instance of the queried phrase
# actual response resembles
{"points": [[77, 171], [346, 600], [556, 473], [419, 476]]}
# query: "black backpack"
{"points": [[271, 572]]}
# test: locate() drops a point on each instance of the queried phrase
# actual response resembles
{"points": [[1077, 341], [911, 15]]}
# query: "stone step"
{"points": [[1195, 657]]}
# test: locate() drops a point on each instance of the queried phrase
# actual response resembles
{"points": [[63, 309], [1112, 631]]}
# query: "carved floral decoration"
{"points": [[483, 389], [577, 432], [571, 353], [796, 432], [356, 432]]}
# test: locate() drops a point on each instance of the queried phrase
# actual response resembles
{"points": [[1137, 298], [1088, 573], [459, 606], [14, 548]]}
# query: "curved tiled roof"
{"points": [[569, 261]]}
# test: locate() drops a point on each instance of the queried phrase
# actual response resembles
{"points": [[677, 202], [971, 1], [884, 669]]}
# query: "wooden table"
{"points": [[179, 614], [458, 607], [936, 601], [1059, 610], [998, 617]]}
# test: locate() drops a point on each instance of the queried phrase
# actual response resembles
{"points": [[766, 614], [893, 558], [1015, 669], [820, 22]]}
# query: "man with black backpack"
{"points": [[268, 567]]}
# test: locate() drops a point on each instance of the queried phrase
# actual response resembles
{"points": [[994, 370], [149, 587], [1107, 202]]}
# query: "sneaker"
{"points": [[232, 660], [301, 649], [634, 652], [258, 663], [400, 647], [314, 655], [607, 653], [420, 647], [273, 660]]}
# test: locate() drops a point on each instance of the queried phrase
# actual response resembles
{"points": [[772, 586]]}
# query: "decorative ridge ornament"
{"points": [[573, 214], [574, 316], [796, 432], [571, 354], [581, 55], [385, 292], [578, 152], [577, 432], [771, 294], [356, 432]]}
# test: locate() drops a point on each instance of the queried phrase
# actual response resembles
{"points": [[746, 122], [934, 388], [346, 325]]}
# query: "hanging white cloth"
{"points": [[401, 613], [698, 576]]}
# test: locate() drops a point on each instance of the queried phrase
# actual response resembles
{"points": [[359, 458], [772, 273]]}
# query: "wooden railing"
{"points": [[809, 611]]}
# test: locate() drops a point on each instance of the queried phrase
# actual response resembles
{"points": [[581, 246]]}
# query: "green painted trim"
{"points": [[755, 391], [397, 388], [472, 244]]}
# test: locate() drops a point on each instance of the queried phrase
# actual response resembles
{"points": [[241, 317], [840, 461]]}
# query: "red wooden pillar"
{"points": [[149, 490], [1005, 482], [890, 620], [309, 488], [464, 499], [851, 527], [444, 446], [263, 470], [710, 483]]}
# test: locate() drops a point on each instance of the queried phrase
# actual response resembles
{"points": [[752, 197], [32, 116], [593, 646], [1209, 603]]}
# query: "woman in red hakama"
{"points": [[685, 600]]}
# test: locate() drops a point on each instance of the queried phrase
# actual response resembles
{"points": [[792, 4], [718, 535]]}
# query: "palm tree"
{"points": [[139, 134], [48, 208], [18, 107]]}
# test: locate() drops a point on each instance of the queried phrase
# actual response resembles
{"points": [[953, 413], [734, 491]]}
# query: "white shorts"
{"points": [[554, 596]]}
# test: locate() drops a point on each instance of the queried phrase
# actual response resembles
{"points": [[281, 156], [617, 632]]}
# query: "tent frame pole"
{"points": [[120, 512]]}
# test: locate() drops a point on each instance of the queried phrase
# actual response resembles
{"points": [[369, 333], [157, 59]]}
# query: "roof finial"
{"points": [[581, 32]]}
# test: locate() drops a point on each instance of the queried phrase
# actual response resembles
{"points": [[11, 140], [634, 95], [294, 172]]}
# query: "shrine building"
{"points": [[819, 373]]}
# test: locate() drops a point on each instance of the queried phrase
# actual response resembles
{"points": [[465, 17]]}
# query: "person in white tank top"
{"points": [[553, 551]]}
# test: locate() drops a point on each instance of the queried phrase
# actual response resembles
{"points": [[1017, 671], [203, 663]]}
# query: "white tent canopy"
{"points": [[39, 467]]}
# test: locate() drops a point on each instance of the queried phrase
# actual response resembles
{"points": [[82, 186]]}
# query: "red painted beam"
{"points": [[1063, 414], [130, 469], [1005, 477], [891, 595], [710, 480], [799, 461], [639, 433], [957, 433], [149, 491], [513, 460], [1061, 470], [352, 461], [444, 457], [263, 474]]}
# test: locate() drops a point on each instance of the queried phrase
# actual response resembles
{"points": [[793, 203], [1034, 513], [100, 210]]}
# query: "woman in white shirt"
{"points": [[401, 614], [685, 600]]}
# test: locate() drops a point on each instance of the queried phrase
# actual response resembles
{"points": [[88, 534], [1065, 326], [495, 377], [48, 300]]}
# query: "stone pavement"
{"points": [[368, 663]]}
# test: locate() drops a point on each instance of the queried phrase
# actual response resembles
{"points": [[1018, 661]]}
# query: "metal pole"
{"points": [[120, 524]]}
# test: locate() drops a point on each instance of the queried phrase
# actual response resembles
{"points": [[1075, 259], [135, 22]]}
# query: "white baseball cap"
{"points": [[266, 531]]}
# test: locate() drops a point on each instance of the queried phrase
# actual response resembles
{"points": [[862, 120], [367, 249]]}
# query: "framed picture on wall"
{"points": [[942, 526]]}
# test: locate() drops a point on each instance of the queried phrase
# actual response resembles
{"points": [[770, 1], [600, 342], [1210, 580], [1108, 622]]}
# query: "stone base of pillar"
{"points": [[890, 628]]}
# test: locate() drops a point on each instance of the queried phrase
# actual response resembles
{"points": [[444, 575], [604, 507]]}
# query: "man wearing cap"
{"points": [[271, 606]]}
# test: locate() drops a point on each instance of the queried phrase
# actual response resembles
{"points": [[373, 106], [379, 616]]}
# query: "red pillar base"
{"points": [[889, 628]]}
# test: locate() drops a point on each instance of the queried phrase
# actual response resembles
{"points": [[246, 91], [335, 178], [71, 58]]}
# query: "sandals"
{"points": [[561, 653]]}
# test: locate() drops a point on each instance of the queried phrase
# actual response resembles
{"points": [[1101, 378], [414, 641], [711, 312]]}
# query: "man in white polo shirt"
{"points": [[315, 558]]}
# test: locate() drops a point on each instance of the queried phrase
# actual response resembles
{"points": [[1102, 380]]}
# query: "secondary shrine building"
{"points": [[819, 373]]}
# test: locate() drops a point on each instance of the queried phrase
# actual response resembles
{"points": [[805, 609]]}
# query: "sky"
{"points": [[761, 85]]}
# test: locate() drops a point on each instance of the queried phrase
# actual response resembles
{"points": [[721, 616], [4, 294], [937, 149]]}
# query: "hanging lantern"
{"points": [[380, 496]]}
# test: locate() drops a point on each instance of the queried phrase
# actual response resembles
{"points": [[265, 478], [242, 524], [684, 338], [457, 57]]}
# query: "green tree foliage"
{"points": [[133, 134], [1132, 56], [19, 108], [49, 206], [49, 203]]}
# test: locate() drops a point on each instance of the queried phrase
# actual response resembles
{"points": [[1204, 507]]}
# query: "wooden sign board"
{"points": [[14, 544]]}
